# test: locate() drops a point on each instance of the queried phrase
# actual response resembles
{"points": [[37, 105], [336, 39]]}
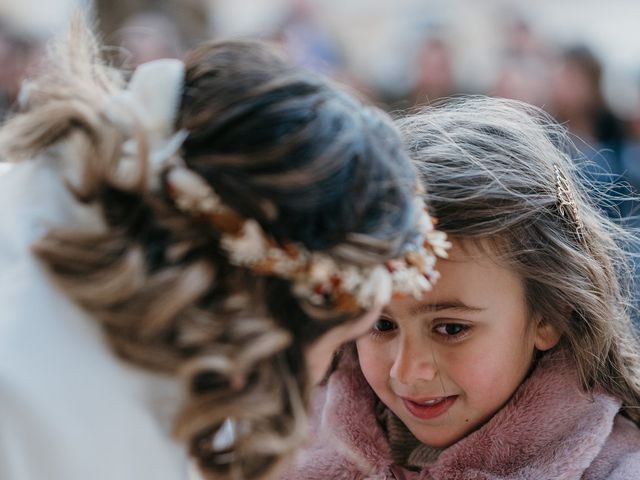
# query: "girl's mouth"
{"points": [[429, 408]]}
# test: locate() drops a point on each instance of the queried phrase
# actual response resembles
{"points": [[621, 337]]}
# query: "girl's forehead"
{"points": [[480, 250], [472, 279], [472, 249]]}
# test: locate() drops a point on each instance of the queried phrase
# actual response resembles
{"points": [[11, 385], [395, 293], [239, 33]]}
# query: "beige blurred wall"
{"points": [[37, 18]]}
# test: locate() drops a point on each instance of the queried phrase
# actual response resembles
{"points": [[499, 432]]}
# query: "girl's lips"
{"points": [[433, 408]]}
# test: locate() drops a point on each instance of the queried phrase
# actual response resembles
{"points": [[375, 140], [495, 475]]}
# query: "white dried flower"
{"points": [[249, 247], [351, 278], [401, 278], [376, 289], [439, 243], [410, 281], [302, 289], [321, 269], [425, 224], [283, 264], [191, 192]]}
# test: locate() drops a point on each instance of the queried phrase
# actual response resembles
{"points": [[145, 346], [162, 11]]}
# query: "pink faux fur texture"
{"points": [[548, 430]]}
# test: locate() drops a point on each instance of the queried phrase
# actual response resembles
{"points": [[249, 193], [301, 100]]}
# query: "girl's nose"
{"points": [[414, 361]]}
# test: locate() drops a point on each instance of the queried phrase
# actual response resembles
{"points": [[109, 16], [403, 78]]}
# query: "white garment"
{"points": [[69, 408]]}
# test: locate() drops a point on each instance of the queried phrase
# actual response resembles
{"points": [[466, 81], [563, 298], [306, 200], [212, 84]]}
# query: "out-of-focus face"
{"points": [[148, 37], [445, 364], [320, 353], [572, 91], [18, 60]]}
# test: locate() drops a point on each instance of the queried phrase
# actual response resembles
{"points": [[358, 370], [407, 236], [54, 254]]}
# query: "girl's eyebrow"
{"points": [[456, 305]]}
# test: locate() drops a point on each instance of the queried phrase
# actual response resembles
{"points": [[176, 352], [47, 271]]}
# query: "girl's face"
{"points": [[445, 364]]}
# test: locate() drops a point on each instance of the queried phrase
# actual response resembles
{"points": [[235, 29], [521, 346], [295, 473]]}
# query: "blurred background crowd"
{"points": [[577, 59]]}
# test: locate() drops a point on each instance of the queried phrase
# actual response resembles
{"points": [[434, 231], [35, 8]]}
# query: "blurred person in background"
{"points": [[631, 150], [434, 76], [307, 43], [148, 36], [525, 65], [19, 54], [160, 25], [577, 100], [304, 37], [630, 164]]}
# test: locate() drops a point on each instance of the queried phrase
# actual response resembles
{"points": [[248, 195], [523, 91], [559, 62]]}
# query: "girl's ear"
{"points": [[546, 335]]}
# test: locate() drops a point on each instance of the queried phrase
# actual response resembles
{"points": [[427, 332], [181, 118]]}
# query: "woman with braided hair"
{"points": [[187, 252]]}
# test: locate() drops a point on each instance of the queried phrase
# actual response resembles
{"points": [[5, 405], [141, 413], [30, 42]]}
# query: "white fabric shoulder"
{"points": [[69, 409]]}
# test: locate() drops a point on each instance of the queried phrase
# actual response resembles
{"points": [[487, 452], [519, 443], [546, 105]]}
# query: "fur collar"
{"points": [[549, 429]]}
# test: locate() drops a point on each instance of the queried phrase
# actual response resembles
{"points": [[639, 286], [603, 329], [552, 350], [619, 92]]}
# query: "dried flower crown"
{"points": [[316, 276], [151, 100]]}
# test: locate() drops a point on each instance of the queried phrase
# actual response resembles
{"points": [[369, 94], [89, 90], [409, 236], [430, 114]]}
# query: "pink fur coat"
{"points": [[548, 430]]}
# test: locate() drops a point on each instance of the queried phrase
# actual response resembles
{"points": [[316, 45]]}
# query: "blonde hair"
{"points": [[489, 167], [262, 133]]}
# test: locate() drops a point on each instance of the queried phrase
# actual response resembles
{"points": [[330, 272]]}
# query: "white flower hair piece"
{"points": [[316, 276], [150, 104]]}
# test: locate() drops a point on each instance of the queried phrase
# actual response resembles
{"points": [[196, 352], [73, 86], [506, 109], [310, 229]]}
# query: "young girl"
{"points": [[521, 363], [224, 224]]}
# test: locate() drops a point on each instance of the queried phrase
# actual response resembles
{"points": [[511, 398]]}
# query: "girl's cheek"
{"points": [[482, 374], [372, 362], [363, 351]]}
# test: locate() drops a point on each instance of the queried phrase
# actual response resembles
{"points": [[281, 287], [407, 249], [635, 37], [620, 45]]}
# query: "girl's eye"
{"points": [[384, 325], [451, 331]]}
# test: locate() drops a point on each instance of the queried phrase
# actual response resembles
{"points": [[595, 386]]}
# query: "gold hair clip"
{"points": [[567, 204]]}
